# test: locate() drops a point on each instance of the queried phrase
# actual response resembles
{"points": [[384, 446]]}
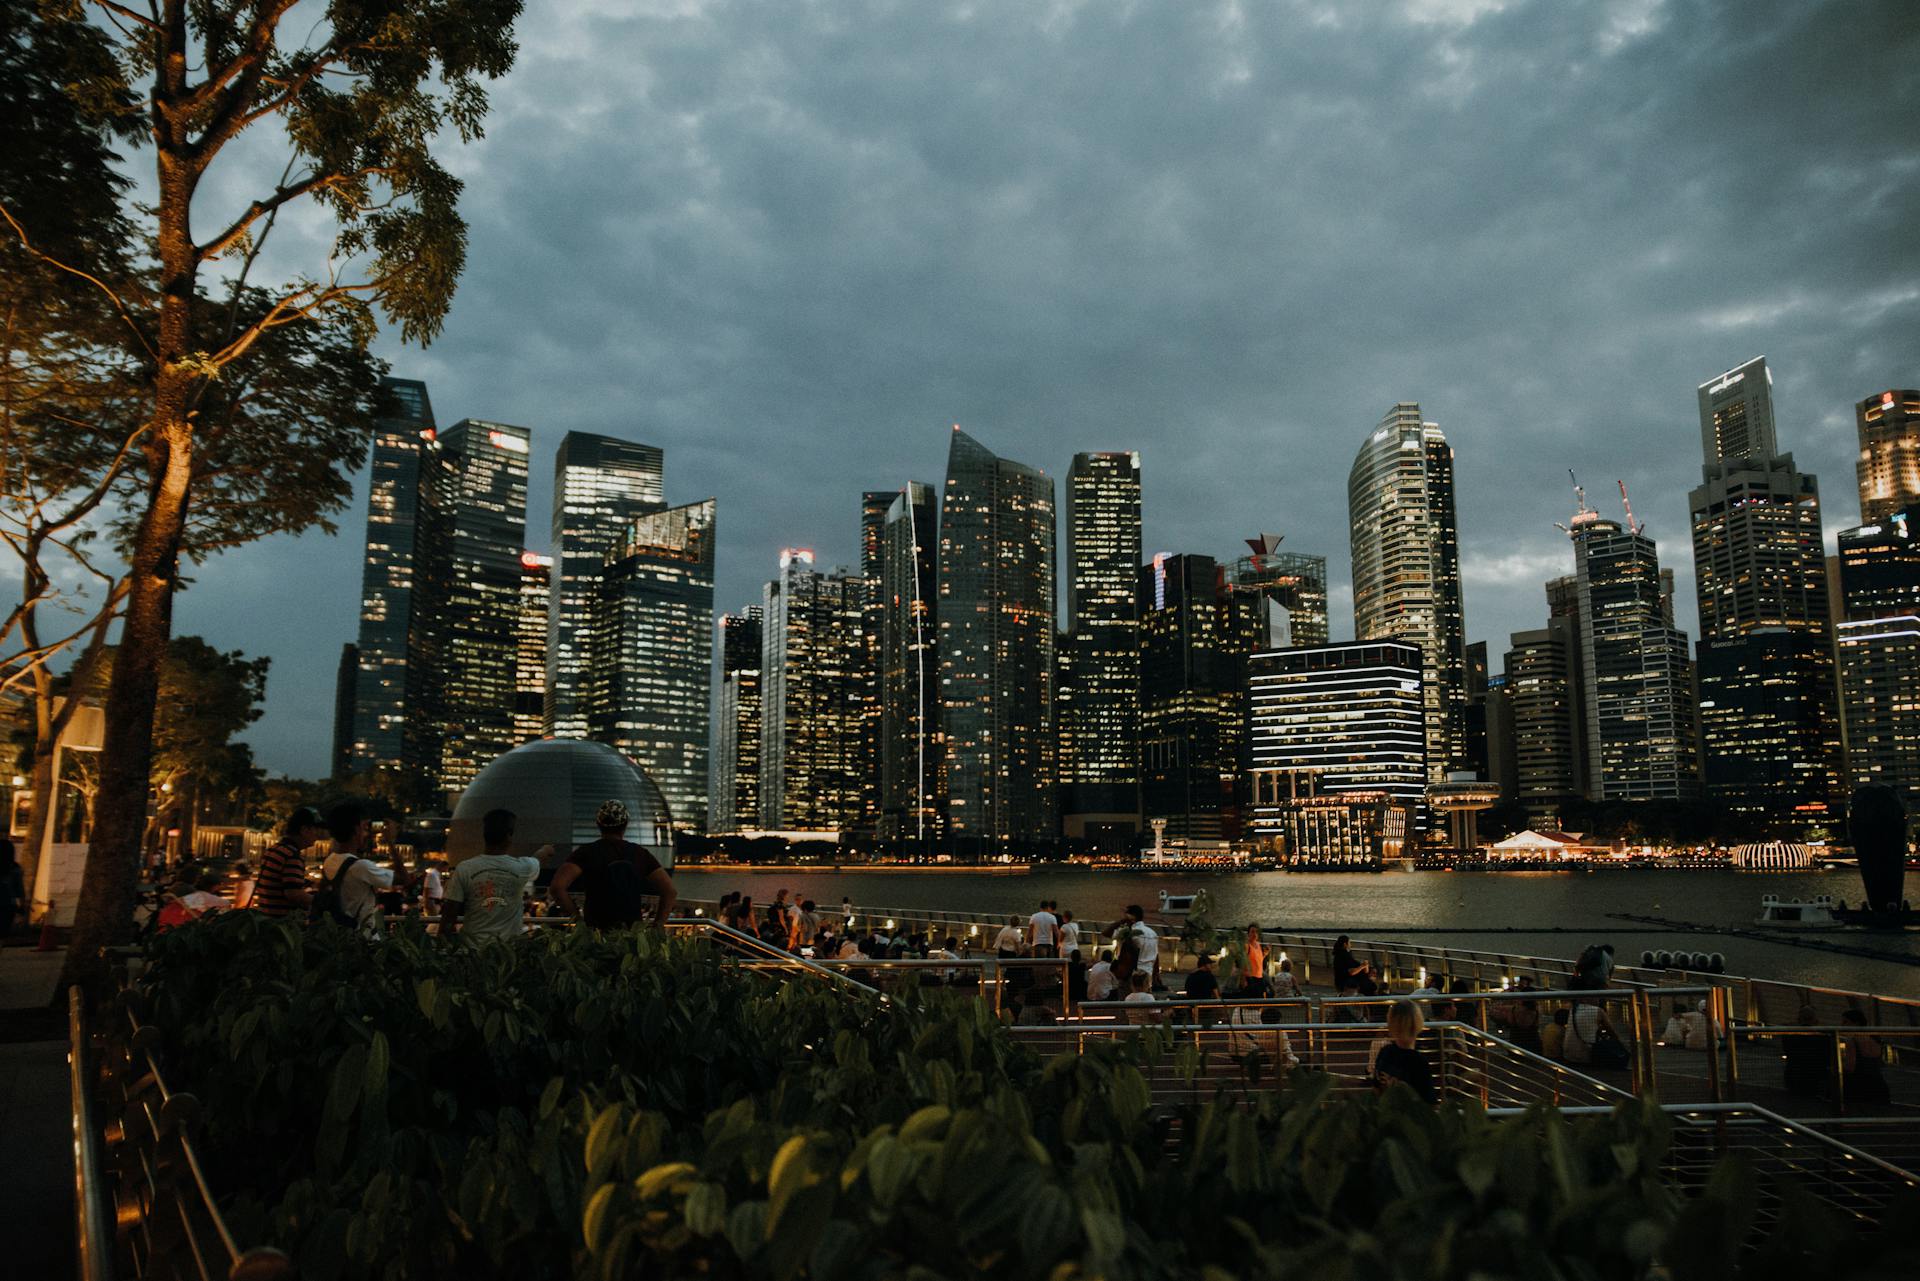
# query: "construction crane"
{"points": [[1633, 526], [1580, 495]]}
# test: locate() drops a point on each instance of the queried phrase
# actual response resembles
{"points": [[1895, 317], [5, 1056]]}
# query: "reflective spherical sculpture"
{"points": [[554, 786]]}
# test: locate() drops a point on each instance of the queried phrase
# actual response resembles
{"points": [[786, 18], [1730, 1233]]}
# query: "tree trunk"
{"points": [[105, 915], [40, 817]]}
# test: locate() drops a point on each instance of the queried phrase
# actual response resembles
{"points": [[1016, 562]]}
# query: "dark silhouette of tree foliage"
{"points": [[360, 93]]}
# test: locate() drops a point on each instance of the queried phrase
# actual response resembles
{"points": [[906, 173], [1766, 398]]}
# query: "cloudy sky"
{"points": [[792, 242]]}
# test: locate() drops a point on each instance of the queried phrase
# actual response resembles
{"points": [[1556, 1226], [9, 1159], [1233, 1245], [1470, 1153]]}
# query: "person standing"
{"points": [[1253, 964], [1069, 934], [13, 890], [1399, 1062], [616, 876], [487, 894], [1148, 941], [1043, 932], [1007, 944], [281, 889], [806, 928], [354, 882]]}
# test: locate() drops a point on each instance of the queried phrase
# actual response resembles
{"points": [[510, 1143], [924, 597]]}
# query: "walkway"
{"points": [[36, 1135]]}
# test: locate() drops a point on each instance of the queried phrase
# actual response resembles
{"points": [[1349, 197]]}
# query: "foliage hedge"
{"points": [[627, 1105]]}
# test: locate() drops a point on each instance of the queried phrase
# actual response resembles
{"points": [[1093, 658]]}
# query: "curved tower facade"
{"points": [[1406, 566]]}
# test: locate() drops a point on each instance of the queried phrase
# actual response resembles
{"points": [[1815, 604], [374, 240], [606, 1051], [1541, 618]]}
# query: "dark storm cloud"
{"points": [[790, 243]]}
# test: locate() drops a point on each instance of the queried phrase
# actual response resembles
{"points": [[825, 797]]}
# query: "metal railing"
{"points": [[1238, 1058], [1783, 1152], [92, 1239], [1812, 1063]]}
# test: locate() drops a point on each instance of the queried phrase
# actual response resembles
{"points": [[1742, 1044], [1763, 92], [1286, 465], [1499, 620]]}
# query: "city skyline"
{"points": [[1127, 273]]}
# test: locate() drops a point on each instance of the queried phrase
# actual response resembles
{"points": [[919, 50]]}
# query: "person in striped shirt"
{"points": [[282, 889]]}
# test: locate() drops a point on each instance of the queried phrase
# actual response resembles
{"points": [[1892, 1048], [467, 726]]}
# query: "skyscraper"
{"points": [[1547, 701], [1889, 466], [1878, 643], [472, 525], [1639, 722], [1765, 668], [346, 682], [1406, 565], [1192, 700], [734, 772], [996, 617], [650, 651], [1097, 702], [599, 485], [1330, 722], [401, 433], [812, 717], [530, 655], [1736, 413], [1281, 596], [911, 748], [874, 505]]}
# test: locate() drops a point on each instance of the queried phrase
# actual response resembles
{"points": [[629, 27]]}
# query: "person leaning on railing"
{"points": [[1399, 1062], [615, 875]]}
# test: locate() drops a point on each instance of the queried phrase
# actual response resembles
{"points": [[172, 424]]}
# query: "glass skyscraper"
{"points": [[1406, 566], [530, 656], [377, 734], [813, 709], [472, 527], [734, 773], [600, 484], [911, 761], [1878, 641], [996, 617], [1192, 709], [1639, 721], [650, 653], [1097, 700], [1889, 466], [1280, 596]]}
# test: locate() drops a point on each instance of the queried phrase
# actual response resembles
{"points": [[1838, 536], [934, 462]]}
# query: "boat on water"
{"points": [[1176, 904], [1817, 913]]}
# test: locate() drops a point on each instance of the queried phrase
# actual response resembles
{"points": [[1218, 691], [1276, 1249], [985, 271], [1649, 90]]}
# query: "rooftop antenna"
{"points": [[1633, 526]]}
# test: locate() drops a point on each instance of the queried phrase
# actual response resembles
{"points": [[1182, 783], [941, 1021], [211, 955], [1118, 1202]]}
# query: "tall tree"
{"points": [[360, 92]]}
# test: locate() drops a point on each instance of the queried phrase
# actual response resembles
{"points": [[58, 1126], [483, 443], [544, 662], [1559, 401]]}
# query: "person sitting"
{"points": [[1284, 985], [1202, 984], [1520, 1019], [1102, 983], [1140, 984], [1351, 975], [1398, 1062], [1553, 1037]]}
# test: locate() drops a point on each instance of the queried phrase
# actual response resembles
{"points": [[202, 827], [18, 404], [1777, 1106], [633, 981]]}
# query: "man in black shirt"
{"points": [[1202, 984], [615, 875]]}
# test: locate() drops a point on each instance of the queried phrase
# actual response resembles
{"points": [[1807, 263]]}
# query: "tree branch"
{"points": [[112, 294]]}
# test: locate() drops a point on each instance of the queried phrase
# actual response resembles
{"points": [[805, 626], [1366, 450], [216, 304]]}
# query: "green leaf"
{"points": [[1046, 1225], [377, 1061], [889, 1165], [1106, 1237], [601, 1141], [747, 1228], [926, 1123], [706, 1209], [550, 1097], [594, 1222], [661, 1178], [426, 993]]}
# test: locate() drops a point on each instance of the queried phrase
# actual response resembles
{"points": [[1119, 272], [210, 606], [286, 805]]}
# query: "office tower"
{"points": [[1878, 644], [400, 435], [996, 617], [1736, 413], [734, 772], [1764, 663], [600, 485], [874, 505], [1889, 466], [911, 749], [1474, 732], [812, 711], [1279, 597], [1545, 697], [1503, 765], [346, 682], [1639, 696], [1097, 701], [1192, 699], [1406, 565], [472, 525], [1337, 757], [650, 653], [530, 653]]}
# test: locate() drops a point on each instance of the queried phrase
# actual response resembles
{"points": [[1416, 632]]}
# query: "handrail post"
{"points": [[90, 1225], [1839, 1075], [1713, 1052], [1733, 1039]]}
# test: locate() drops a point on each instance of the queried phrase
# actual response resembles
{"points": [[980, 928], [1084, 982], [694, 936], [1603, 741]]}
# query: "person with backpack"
{"points": [[615, 875], [350, 881]]}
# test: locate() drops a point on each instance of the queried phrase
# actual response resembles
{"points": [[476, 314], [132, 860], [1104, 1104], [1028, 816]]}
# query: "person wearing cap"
{"points": [[281, 889], [615, 875]]}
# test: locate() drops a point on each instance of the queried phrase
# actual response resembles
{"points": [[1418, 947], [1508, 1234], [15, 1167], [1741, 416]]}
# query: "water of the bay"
{"points": [[1532, 913]]}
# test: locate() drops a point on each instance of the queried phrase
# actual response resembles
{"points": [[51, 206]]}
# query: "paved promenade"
{"points": [[36, 1137]]}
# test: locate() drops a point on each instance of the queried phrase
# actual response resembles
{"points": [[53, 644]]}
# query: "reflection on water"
{"points": [[1518, 912]]}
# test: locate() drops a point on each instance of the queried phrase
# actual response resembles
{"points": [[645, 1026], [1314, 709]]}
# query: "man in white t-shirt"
{"points": [[1069, 934], [356, 877], [487, 894], [1148, 942], [1102, 983], [1043, 932], [1010, 941]]}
